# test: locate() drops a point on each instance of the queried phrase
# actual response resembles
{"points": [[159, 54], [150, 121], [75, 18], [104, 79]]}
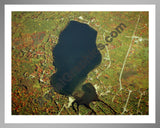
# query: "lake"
{"points": [[75, 55]]}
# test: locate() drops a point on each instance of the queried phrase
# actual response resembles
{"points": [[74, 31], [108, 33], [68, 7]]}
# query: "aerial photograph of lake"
{"points": [[80, 63]]}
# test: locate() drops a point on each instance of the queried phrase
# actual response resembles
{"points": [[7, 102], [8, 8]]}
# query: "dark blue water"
{"points": [[75, 55]]}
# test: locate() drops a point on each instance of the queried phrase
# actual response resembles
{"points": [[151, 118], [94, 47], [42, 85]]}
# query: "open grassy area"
{"points": [[124, 63]]}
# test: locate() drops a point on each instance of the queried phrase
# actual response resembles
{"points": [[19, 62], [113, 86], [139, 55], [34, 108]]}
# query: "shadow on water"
{"points": [[75, 55]]}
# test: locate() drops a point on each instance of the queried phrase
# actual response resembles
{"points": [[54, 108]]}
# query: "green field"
{"points": [[121, 80]]}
